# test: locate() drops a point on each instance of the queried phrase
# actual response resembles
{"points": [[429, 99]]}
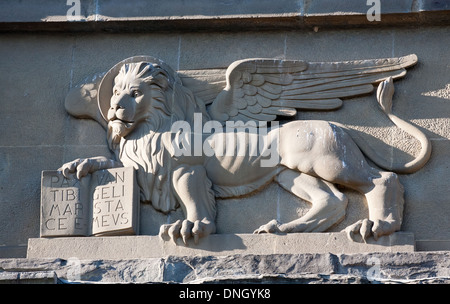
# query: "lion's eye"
{"points": [[136, 93], [116, 92]]}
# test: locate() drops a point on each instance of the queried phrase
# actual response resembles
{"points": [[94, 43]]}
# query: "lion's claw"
{"points": [[174, 231], [271, 227], [364, 228], [186, 229]]}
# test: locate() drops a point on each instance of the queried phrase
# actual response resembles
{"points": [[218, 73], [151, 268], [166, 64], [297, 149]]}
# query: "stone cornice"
{"points": [[202, 15]]}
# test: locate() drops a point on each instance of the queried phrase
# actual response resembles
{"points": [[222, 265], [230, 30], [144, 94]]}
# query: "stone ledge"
{"points": [[195, 15], [126, 247], [387, 267]]}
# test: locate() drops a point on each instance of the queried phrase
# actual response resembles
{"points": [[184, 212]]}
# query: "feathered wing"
{"points": [[205, 84], [261, 89], [81, 101]]}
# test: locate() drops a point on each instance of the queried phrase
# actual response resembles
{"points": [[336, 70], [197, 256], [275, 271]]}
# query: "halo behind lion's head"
{"points": [[105, 90]]}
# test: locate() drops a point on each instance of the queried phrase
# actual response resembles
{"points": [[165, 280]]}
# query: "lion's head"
{"points": [[144, 103], [143, 92], [133, 101]]}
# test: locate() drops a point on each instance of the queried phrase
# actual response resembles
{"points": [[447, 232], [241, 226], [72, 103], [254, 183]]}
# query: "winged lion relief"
{"points": [[156, 120]]}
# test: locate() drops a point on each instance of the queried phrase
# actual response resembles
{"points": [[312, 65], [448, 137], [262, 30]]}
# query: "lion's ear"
{"points": [[161, 79]]}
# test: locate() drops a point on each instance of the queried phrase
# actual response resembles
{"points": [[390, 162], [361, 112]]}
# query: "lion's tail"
{"points": [[384, 96]]}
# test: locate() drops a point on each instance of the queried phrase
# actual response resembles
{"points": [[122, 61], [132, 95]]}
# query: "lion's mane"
{"points": [[147, 147]]}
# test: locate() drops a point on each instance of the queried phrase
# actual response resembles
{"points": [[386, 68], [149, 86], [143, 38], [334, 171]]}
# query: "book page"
{"points": [[65, 205], [115, 202]]}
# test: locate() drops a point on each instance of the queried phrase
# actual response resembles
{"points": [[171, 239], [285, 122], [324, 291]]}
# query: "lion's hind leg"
{"points": [[328, 204], [385, 201]]}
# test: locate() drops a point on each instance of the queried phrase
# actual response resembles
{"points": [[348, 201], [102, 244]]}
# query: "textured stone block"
{"points": [[218, 55], [32, 110], [163, 46], [423, 97], [427, 206], [369, 268], [19, 199]]}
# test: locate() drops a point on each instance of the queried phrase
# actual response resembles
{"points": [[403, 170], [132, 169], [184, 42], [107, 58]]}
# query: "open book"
{"points": [[105, 202]]}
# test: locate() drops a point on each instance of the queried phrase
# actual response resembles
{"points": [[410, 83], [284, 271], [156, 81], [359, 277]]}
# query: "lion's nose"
{"points": [[116, 107], [112, 112]]}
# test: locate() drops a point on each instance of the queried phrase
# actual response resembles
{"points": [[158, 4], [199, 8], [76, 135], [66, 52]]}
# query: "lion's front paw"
{"points": [[78, 167], [367, 228], [187, 229], [271, 227]]}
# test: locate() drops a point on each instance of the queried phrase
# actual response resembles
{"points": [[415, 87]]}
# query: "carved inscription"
{"points": [[104, 203], [65, 211], [112, 197]]}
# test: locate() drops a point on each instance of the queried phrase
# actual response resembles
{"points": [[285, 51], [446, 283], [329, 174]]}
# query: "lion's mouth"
{"points": [[127, 123], [120, 127]]}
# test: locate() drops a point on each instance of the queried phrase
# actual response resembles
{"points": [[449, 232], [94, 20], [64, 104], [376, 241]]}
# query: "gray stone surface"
{"points": [[40, 68], [116, 15], [372, 268], [213, 245]]}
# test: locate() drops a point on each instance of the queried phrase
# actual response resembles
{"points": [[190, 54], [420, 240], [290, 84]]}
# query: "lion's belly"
{"points": [[237, 175], [236, 170], [237, 158]]}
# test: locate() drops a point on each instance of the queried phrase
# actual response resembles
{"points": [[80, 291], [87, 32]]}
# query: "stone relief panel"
{"points": [[196, 136]]}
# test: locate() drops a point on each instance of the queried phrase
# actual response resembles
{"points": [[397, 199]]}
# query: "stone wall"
{"points": [[44, 56]]}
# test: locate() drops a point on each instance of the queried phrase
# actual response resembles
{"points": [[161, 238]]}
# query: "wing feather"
{"points": [[280, 79], [263, 101], [267, 94], [316, 104], [283, 111], [258, 116], [329, 92], [272, 88], [333, 82], [261, 89]]}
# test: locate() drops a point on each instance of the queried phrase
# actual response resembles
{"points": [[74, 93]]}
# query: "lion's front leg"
{"points": [[197, 200], [83, 166]]}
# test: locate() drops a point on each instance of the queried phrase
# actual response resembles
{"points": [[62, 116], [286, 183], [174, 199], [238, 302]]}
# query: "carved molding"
{"points": [[94, 15]]}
